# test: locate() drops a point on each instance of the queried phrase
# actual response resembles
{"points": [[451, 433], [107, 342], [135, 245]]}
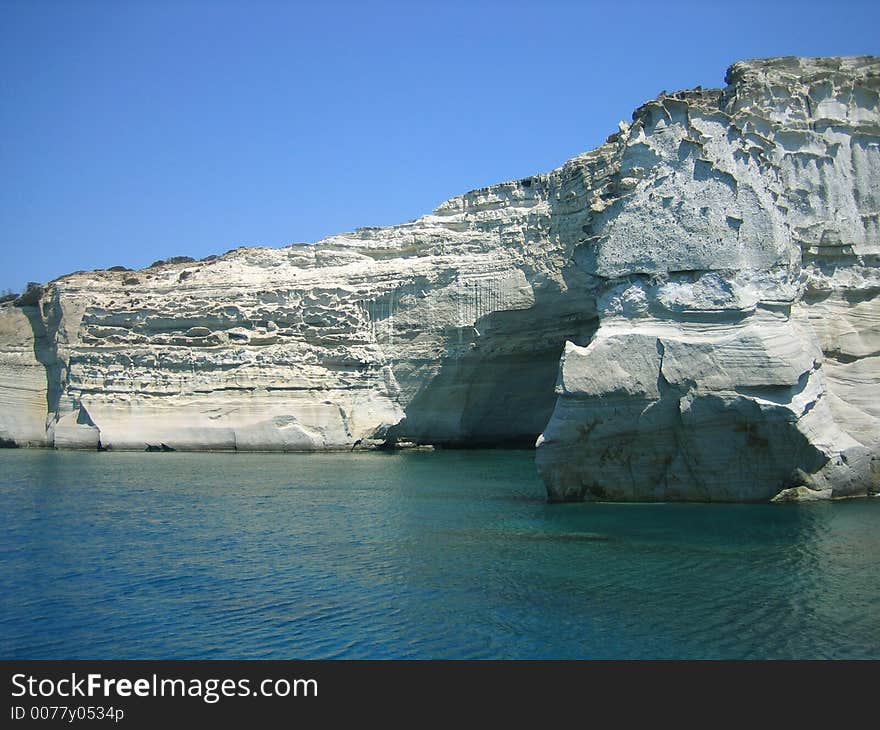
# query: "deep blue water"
{"points": [[410, 555]]}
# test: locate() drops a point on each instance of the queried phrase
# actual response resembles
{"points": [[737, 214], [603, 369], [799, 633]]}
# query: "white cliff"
{"points": [[453, 322], [702, 289], [737, 281]]}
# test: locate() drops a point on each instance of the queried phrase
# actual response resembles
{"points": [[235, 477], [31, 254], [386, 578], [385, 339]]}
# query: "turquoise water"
{"points": [[410, 555]]}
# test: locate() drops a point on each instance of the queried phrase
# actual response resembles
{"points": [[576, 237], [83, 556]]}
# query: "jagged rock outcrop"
{"points": [[702, 289], [737, 281]]}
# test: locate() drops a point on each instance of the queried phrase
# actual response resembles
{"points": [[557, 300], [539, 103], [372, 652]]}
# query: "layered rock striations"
{"points": [[690, 311], [447, 330]]}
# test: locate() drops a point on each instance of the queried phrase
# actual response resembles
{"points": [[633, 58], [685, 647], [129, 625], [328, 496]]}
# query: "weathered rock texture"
{"points": [[708, 277], [447, 330], [736, 273]]}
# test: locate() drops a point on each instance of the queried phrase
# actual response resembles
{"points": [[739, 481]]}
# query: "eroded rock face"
{"points": [[702, 289], [446, 330], [737, 284]]}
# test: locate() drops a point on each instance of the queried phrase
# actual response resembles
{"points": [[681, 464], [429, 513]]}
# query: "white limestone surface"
{"points": [[445, 330], [736, 258]]}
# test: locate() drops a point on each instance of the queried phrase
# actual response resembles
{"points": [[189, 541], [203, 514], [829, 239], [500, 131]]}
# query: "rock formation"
{"points": [[702, 289], [737, 283]]}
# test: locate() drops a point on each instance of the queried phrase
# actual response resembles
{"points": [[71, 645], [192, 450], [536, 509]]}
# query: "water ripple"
{"points": [[423, 555]]}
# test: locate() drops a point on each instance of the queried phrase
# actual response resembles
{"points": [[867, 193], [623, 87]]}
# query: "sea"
{"points": [[411, 555]]}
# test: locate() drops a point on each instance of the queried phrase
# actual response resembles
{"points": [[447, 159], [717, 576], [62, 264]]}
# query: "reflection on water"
{"points": [[430, 555]]}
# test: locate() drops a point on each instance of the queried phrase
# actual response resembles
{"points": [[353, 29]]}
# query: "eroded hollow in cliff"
{"points": [[501, 393]]}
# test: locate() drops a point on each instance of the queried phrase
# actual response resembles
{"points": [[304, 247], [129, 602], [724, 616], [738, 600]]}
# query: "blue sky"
{"points": [[135, 130]]}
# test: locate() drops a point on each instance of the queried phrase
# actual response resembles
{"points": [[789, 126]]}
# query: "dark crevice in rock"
{"points": [[44, 329]]}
